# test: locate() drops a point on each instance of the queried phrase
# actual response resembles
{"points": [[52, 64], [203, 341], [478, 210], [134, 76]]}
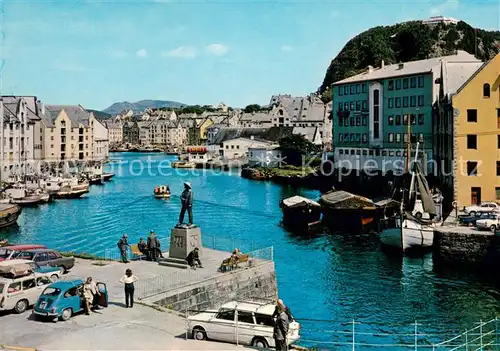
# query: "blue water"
{"points": [[327, 281]]}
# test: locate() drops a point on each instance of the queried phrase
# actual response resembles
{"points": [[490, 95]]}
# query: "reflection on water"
{"points": [[327, 280]]}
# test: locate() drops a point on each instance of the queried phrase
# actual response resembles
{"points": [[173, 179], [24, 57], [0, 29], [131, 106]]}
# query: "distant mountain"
{"points": [[140, 106], [100, 115]]}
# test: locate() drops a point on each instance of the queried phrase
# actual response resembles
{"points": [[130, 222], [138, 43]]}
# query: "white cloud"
{"points": [[334, 14], [446, 6], [142, 53], [181, 52], [217, 49], [286, 48]]}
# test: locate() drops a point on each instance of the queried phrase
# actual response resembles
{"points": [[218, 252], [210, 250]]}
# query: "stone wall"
{"points": [[240, 284]]}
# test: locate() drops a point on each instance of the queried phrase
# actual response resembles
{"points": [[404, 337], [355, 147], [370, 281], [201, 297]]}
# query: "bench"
{"points": [[138, 255], [230, 263]]}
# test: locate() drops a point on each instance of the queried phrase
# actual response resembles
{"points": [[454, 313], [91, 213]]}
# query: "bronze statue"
{"points": [[187, 204]]}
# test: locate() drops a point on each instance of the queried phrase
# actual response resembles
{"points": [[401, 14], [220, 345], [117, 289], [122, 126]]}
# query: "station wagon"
{"points": [[65, 298], [20, 293]]}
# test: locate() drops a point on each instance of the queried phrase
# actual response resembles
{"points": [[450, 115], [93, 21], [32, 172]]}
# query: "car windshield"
{"points": [[51, 291], [5, 253]]}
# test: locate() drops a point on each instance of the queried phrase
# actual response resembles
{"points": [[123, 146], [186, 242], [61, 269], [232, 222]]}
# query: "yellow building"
{"points": [[468, 134]]}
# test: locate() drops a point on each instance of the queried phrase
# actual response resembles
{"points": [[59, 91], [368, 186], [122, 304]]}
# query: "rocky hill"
{"points": [[408, 41], [140, 106], [100, 115]]}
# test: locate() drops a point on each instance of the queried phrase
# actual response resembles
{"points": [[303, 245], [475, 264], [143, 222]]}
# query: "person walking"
{"points": [[153, 246], [280, 331], [129, 279], [123, 247]]}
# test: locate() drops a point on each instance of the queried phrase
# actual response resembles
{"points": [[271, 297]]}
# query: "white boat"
{"points": [[404, 231]]}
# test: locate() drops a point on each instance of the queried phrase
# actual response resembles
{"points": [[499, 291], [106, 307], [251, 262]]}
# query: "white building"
{"points": [[100, 140], [115, 132], [238, 148], [440, 19], [265, 156]]}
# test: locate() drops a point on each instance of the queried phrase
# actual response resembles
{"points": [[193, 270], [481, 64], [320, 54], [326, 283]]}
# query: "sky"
{"points": [[238, 52]]}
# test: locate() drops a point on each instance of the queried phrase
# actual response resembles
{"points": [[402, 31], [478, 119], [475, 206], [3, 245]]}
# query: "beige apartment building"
{"points": [[115, 132]]}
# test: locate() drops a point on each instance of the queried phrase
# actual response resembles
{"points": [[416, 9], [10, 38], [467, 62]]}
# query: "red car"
{"points": [[9, 252]]}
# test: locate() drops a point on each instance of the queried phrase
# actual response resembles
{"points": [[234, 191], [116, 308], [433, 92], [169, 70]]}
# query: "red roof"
{"points": [[25, 247]]}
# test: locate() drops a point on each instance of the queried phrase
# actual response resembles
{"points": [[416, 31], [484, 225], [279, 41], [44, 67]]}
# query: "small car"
{"points": [[63, 299], [20, 293], [11, 251], [484, 207], [15, 268], [248, 323], [46, 257], [471, 220], [492, 223]]}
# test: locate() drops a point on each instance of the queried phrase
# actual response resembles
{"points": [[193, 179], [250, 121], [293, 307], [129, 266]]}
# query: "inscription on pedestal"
{"points": [[183, 240]]}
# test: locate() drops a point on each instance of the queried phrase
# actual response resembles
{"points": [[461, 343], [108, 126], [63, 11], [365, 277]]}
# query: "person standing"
{"points": [[280, 331], [187, 204], [89, 292], [123, 246], [153, 246], [129, 279]]}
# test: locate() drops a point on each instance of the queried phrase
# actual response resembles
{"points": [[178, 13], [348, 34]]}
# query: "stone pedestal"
{"points": [[183, 240]]}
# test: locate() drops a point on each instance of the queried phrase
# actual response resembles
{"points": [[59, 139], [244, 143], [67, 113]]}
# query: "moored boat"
{"points": [[9, 214], [107, 176], [183, 164], [67, 192], [300, 214], [162, 191]]}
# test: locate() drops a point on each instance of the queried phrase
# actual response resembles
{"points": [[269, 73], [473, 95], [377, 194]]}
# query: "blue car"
{"points": [[62, 299]]}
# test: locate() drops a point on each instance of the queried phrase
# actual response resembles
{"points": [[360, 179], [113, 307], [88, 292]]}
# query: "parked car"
{"points": [[17, 268], [492, 223], [252, 324], [45, 257], [11, 251], [20, 293], [484, 207], [64, 299], [468, 220]]}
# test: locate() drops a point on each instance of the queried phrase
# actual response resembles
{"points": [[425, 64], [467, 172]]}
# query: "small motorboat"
{"points": [[67, 192], [107, 176], [162, 192], [183, 164]]}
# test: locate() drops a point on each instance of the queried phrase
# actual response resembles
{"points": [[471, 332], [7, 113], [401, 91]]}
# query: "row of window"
{"points": [[473, 165], [353, 105], [414, 119], [352, 89], [406, 101], [405, 83], [391, 137], [371, 152], [472, 116]]}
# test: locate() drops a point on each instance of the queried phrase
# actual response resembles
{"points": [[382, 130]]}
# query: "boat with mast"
{"points": [[404, 231]]}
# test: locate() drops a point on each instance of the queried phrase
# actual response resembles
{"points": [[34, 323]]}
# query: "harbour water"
{"points": [[327, 281]]}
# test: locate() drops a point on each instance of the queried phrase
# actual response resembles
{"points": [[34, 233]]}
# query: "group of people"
{"points": [[151, 249]]}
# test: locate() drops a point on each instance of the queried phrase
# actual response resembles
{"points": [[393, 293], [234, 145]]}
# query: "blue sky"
{"points": [[196, 52]]}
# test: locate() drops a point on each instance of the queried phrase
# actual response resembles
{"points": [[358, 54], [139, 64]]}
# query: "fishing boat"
{"points": [[107, 176], [95, 179], [300, 215], [68, 192], [9, 214], [343, 211], [405, 231], [162, 192], [183, 164], [21, 197]]}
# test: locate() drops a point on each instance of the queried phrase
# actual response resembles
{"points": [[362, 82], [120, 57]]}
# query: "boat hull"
{"points": [[28, 201], [352, 221], [412, 235], [74, 194], [9, 215], [301, 220], [107, 176], [162, 196]]}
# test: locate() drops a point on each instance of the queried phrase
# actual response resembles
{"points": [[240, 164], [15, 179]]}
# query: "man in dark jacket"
{"points": [[153, 246], [123, 247], [187, 203], [281, 329], [193, 259], [143, 247]]}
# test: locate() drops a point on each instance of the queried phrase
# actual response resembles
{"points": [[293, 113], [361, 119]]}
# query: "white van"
{"points": [[20, 293]]}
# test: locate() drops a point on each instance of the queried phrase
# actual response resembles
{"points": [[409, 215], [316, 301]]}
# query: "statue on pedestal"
{"points": [[187, 204]]}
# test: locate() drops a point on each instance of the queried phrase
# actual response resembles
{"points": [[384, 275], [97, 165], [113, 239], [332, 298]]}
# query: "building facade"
{"points": [[115, 132], [100, 139], [379, 112], [130, 132], [238, 148], [468, 134]]}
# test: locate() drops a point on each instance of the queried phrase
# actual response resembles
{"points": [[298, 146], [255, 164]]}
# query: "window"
{"points": [[232, 146], [357, 88], [398, 120], [486, 90], [227, 315], [391, 120], [346, 137], [53, 255], [420, 82], [391, 102], [43, 281], [420, 100], [391, 153], [264, 319], [341, 152], [358, 105], [363, 88], [471, 115], [420, 118], [398, 138], [405, 83], [497, 192], [341, 106], [365, 138], [341, 138], [391, 137], [413, 82], [421, 138], [346, 90], [358, 137], [351, 121], [413, 101], [14, 287], [346, 106], [498, 118], [351, 89], [472, 168], [352, 138], [405, 101], [413, 119], [365, 152], [364, 121], [70, 293], [384, 153], [405, 138], [28, 284], [341, 90], [398, 102], [52, 137], [398, 84], [498, 168], [352, 106], [245, 317], [391, 85], [370, 152], [358, 152], [405, 120], [364, 105], [358, 121]]}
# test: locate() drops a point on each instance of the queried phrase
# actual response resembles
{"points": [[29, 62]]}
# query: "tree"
{"points": [[295, 146], [252, 108]]}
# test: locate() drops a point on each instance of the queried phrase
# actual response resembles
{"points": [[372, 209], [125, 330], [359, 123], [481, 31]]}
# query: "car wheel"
{"points": [[66, 314], [199, 333], [259, 342], [493, 228], [21, 306], [54, 278], [418, 215], [472, 213], [63, 269]]}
